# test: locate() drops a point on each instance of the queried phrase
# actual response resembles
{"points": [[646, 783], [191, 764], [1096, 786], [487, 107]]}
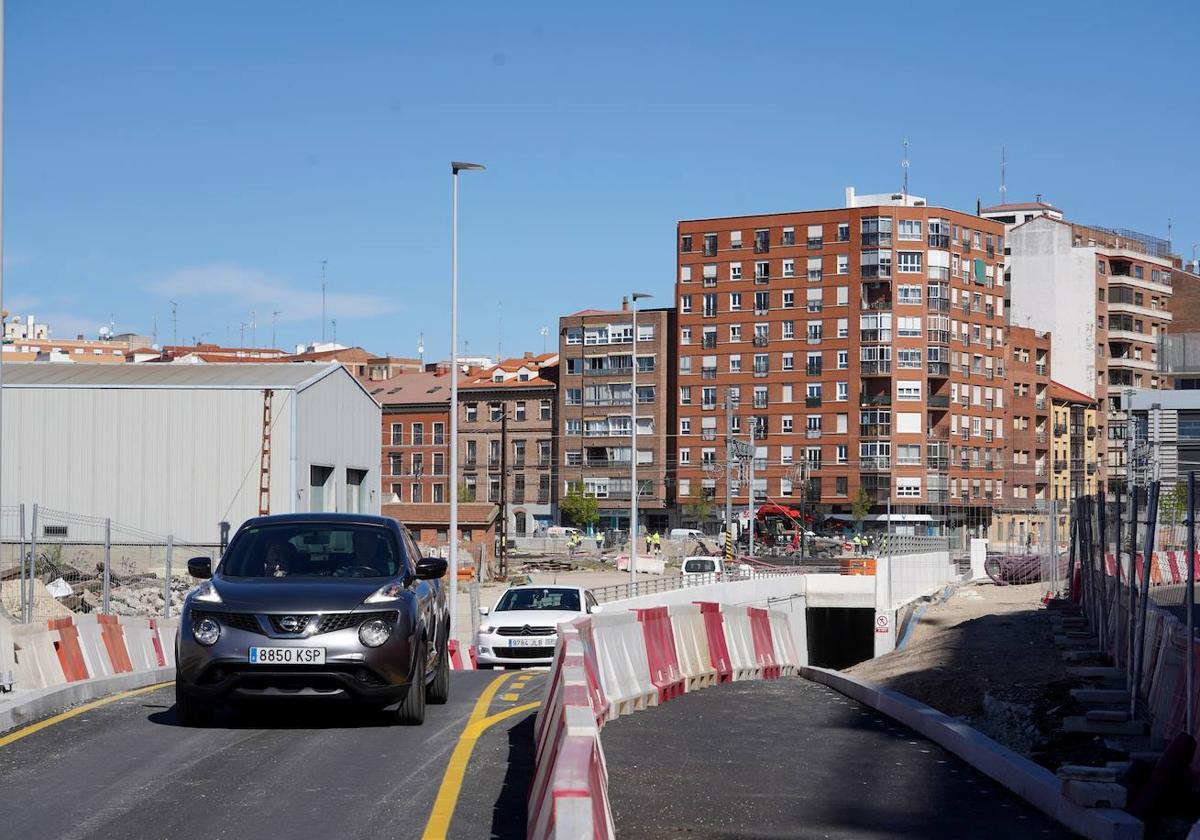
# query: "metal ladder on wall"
{"points": [[264, 462]]}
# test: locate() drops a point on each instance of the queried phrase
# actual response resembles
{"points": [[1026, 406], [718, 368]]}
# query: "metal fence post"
{"points": [[21, 556], [1191, 603], [28, 617], [167, 582], [1131, 581], [1147, 553], [107, 565], [1101, 546]]}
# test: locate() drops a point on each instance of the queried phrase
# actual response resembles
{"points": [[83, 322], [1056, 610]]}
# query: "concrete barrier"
{"points": [[8, 658], [1032, 782], [37, 662]]}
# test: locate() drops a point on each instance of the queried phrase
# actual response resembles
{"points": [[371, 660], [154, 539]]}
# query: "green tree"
{"points": [[465, 494], [860, 506], [698, 508], [580, 509]]}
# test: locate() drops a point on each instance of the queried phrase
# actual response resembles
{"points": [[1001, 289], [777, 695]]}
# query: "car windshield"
{"points": [[539, 599], [701, 566], [308, 550]]}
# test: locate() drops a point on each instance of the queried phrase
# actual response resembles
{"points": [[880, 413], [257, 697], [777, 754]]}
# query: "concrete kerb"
{"points": [[24, 707], [1032, 782]]}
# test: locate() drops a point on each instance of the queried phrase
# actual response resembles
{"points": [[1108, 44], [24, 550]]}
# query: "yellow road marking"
{"points": [[510, 697], [477, 724], [78, 710]]}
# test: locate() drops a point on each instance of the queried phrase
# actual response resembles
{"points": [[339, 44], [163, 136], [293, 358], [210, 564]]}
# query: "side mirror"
{"points": [[593, 608], [200, 567], [483, 611], [431, 568]]}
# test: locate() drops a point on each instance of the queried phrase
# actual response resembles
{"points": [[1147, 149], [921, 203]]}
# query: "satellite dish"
{"points": [[105, 332]]}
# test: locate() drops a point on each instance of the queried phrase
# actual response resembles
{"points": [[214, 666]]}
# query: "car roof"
{"points": [[546, 586], [339, 518]]}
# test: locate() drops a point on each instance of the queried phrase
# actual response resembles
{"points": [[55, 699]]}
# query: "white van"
{"points": [[685, 533], [562, 531], [702, 569]]}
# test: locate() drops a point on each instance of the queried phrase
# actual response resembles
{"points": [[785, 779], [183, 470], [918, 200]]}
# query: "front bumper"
{"points": [[494, 649], [352, 671]]}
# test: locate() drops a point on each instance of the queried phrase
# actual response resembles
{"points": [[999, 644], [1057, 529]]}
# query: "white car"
{"points": [[522, 629]]}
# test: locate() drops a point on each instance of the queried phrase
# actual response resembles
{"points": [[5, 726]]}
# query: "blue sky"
{"points": [[215, 153]]}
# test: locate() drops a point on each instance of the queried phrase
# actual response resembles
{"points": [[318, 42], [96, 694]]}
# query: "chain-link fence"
{"points": [[56, 563]]}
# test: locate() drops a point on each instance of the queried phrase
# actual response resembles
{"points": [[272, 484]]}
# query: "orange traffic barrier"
{"points": [[858, 566], [70, 654]]}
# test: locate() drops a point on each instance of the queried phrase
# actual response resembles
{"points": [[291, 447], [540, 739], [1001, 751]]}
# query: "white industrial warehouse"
{"points": [[178, 449]]}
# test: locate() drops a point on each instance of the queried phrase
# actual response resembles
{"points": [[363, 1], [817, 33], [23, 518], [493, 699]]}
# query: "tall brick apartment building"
{"points": [[1029, 437], [1106, 296], [865, 341], [595, 413]]}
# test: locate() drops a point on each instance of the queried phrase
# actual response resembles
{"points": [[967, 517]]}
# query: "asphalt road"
{"points": [[128, 770], [790, 758]]}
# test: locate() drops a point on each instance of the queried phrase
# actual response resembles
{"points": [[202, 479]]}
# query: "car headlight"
{"points": [[206, 631], [207, 593], [375, 632], [487, 628], [390, 592]]}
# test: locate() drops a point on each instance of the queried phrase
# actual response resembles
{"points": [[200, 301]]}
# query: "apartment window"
{"points": [[762, 241], [814, 331], [495, 412], [685, 456], [710, 275], [843, 391], [814, 269], [518, 412], [685, 394], [843, 232], [710, 244], [685, 335], [575, 366], [815, 236], [762, 271], [396, 464], [843, 295], [762, 302], [875, 263], [418, 434], [813, 423], [789, 299], [735, 363], [439, 493], [789, 268], [735, 239], [418, 464], [876, 230], [789, 330], [685, 425], [735, 271], [761, 363], [908, 295], [908, 454], [735, 333], [908, 390], [708, 397], [685, 243], [785, 455], [397, 434], [814, 300], [841, 453], [785, 423], [841, 485], [574, 427], [910, 229], [843, 327], [397, 493], [685, 276], [910, 359], [544, 410], [735, 301], [789, 236], [789, 361], [417, 494], [843, 359], [909, 262], [909, 327], [908, 488], [710, 305], [843, 264]]}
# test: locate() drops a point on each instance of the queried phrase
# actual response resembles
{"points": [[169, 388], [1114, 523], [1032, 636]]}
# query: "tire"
{"points": [[412, 710], [438, 691], [188, 710]]}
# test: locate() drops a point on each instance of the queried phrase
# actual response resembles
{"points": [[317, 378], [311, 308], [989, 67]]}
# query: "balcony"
{"points": [[1038, 404], [939, 240], [812, 434], [883, 368], [813, 370], [609, 370], [710, 249], [875, 271], [875, 463], [708, 373], [878, 306], [760, 341], [875, 399], [709, 341], [937, 463], [939, 369], [812, 402], [469, 463], [1060, 465], [760, 372], [761, 403], [815, 242], [762, 245], [875, 430], [939, 304], [939, 401]]}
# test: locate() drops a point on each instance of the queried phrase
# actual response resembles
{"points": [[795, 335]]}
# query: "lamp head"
{"points": [[457, 166]]}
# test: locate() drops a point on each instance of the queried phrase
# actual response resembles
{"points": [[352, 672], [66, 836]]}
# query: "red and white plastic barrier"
{"points": [[82, 647], [457, 661], [609, 664]]}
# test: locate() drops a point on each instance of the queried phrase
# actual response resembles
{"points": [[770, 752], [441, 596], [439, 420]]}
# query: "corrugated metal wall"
{"points": [[164, 460], [338, 426]]}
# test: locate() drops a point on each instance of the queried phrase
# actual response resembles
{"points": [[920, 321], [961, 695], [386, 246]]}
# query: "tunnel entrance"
{"points": [[839, 637]]}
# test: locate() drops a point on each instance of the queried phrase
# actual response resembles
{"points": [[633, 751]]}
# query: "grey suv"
{"points": [[336, 606]]}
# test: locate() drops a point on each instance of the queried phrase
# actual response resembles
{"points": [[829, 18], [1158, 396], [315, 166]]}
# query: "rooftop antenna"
{"points": [[1170, 226], [253, 328], [499, 331], [274, 317], [323, 264], [545, 331], [174, 324], [333, 324], [904, 166], [421, 348], [1003, 184], [154, 327]]}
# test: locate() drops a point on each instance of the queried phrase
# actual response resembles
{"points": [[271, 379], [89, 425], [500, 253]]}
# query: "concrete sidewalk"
{"points": [[790, 758]]}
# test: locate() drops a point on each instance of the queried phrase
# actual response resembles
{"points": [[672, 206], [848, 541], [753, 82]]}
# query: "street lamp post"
{"points": [[633, 490], [455, 168]]}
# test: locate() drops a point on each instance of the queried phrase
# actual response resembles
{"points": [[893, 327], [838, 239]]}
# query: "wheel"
{"points": [[412, 710], [188, 710], [438, 691]]}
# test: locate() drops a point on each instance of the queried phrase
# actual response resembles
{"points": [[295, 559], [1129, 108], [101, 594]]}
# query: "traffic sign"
{"points": [[882, 624]]}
